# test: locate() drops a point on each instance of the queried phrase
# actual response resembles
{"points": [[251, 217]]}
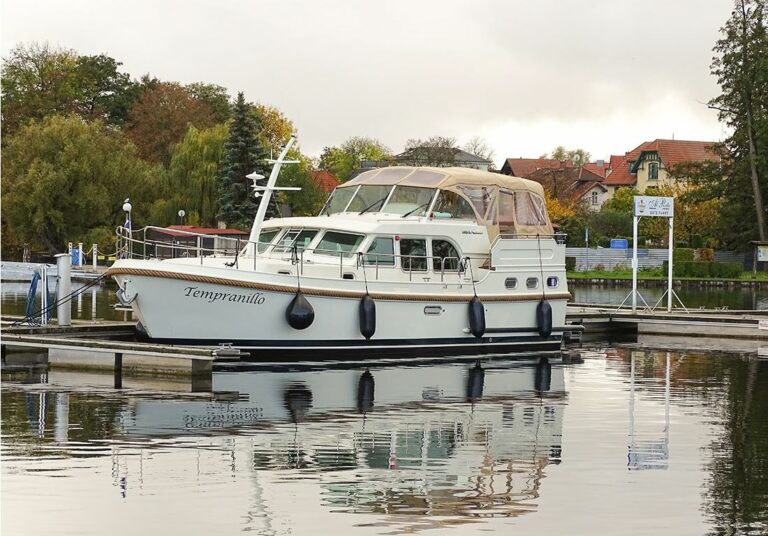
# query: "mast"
{"points": [[266, 192]]}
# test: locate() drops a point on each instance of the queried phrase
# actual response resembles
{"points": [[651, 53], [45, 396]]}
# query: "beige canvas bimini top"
{"points": [[521, 212], [434, 177]]}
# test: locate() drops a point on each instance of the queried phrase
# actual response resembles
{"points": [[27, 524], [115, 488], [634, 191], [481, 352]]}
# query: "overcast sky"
{"points": [[604, 75]]}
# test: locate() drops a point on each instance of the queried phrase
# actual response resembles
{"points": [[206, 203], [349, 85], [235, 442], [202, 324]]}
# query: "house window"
{"points": [[653, 171], [594, 198]]}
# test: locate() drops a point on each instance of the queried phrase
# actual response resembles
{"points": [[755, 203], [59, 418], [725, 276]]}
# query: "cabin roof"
{"points": [[434, 177]]}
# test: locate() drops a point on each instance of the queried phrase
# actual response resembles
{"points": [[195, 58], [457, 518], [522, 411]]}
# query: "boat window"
{"points": [[338, 201], [410, 200], [381, 252], [369, 198], [552, 281], [529, 209], [265, 239], [452, 205], [506, 212], [426, 178], [413, 252], [444, 256], [482, 197], [532, 282], [335, 243], [295, 237], [510, 283]]}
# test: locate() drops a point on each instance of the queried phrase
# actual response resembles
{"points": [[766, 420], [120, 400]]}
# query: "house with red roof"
{"points": [[649, 164], [324, 180], [570, 185]]}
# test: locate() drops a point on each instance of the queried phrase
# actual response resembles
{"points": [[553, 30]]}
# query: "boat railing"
{"points": [[557, 237], [153, 242]]}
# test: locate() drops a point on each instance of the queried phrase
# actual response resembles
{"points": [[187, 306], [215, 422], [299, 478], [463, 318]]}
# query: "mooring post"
{"points": [[95, 257], [64, 308], [44, 295], [80, 254]]}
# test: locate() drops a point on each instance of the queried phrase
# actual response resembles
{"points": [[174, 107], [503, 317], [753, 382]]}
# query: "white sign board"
{"points": [[654, 206], [762, 253]]}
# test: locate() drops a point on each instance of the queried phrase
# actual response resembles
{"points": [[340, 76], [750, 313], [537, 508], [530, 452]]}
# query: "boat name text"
{"points": [[254, 297]]}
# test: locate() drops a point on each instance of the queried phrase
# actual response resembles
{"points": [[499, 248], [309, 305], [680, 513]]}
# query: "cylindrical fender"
{"points": [[476, 317], [544, 318], [367, 316], [475, 383]]}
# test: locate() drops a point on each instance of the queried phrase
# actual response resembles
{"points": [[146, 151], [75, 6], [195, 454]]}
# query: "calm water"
{"points": [[598, 441], [98, 302]]}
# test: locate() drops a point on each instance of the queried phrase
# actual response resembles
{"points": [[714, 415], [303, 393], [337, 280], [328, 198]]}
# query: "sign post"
{"points": [[655, 207]]}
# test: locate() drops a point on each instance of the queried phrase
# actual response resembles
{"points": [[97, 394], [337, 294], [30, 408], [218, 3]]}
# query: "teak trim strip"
{"points": [[329, 292]]}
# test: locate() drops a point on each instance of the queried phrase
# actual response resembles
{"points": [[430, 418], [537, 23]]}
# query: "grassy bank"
{"points": [[656, 274]]}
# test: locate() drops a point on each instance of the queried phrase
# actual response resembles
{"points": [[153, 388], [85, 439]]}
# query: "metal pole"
{"points": [[634, 263], [44, 295], [95, 256], [64, 308], [80, 254], [669, 266]]}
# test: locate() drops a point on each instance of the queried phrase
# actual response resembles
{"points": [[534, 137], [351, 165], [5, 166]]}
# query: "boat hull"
{"points": [[178, 308]]}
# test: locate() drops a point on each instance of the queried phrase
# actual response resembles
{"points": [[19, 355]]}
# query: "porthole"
{"points": [[510, 283], [552, 281], [532, 282], [348, 275]]}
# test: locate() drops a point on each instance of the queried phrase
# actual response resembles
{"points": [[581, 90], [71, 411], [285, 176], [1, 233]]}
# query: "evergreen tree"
{"points": [[243, 154], [741, 67]]}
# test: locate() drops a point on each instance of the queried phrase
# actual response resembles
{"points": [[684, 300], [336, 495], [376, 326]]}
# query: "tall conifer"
{"points": [[243, 154]]}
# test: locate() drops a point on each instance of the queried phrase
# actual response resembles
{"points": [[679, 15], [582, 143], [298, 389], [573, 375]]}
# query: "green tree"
{"points": [[434, 151], [215, 96], [342, 161], [103, 91], [577, 156], [160, 118], [37, 80], [276, 128], [192, 175], [243, 154], [310, 199], [65, 180], [741, 68]]}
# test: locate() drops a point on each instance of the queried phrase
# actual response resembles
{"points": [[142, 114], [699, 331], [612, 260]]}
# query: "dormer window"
{"points": [[653, 171]]}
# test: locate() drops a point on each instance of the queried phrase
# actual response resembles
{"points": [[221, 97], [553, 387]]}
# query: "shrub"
{"points": [[724, 270], [599, 268], [682, 255], [570, 264], [705, 254]]}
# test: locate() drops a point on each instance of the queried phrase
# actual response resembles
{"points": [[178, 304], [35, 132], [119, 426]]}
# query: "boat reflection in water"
{"points": [[461, 438]]}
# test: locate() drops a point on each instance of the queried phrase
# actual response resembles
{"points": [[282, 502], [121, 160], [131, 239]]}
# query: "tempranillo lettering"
{"points": [[256, 298]]}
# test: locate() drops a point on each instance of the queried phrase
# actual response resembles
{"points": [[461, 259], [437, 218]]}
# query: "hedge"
{"points": [[724, 270]]}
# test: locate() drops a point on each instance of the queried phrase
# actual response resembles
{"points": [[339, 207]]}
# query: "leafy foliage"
{"points": [[433, 151], [342, 161], [276, 129], [65, 180], [160, 117]]}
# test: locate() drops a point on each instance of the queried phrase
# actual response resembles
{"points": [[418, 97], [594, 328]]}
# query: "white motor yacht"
{"points": [[414, 260]]}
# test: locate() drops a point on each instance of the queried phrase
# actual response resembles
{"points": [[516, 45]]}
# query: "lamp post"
{"points": [[181, 214], [127, 225]]}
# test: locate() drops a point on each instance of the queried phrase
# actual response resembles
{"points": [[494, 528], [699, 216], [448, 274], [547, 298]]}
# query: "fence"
{"points": [[610, 259]]}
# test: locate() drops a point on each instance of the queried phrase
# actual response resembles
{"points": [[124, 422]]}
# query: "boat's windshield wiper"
{"points": [[423, 205], [369, 207]]}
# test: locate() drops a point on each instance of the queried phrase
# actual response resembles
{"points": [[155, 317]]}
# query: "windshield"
{"points": [[410, 200]]}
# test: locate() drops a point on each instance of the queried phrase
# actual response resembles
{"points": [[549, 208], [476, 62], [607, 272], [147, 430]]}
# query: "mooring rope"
{"points": [[34, 318]]}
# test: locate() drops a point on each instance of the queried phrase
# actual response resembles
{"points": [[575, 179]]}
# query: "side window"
{"points": [[381, 252], [444, 256], [338, 244], [452, 205], [413, 252], [506, 212], [299, 238], [265, 239], [529, 209]]}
